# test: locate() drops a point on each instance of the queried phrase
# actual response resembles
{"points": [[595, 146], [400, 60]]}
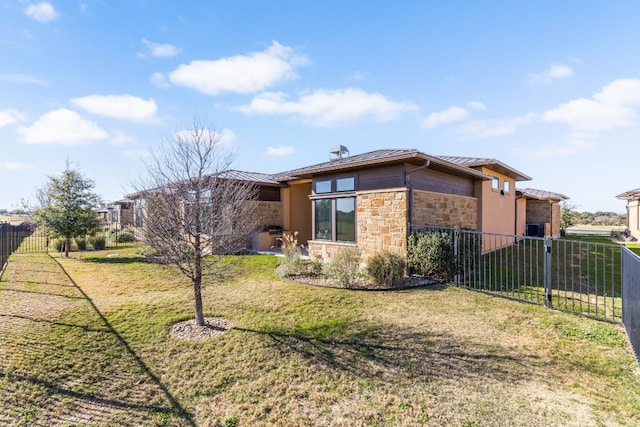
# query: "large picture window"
{"points": [[346, 219], [323, 222], [334, 209]]}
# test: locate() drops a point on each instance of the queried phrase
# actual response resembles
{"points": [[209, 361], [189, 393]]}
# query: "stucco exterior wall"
{"points": [[444, 210], [521, 216], [497, 208], [298, 210], [633, 218]]}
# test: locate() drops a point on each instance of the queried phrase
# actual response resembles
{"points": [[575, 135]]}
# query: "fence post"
{"points": [[456, 255], [547, 272]]}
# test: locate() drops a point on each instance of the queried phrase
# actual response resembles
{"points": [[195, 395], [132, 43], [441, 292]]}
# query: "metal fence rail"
{"points": [[11, 237], [574, 276], [28, 238], [631, 298]]}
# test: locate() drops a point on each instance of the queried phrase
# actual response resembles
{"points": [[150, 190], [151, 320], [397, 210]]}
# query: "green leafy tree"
{"points": [[568, 215], [68, 212]]}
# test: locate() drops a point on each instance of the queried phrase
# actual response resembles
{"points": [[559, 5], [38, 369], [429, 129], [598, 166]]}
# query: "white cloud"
{"points": [[124, 107], [328, 108], [554, 72], [610, 108], [120, 138], [161, 50], [15, 166], [279, 151], [450, 115], [479, 129], [576, 144], [159, 80], [241, 73], [476, 105], [8, 117], [62, 126], [41, 12]]}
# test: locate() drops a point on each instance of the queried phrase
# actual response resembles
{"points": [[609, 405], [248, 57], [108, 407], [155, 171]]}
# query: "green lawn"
{"points": [[84, 341]]}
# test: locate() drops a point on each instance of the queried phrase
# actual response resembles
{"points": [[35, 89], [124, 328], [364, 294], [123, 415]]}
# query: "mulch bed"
{"points": [[189, 329]]}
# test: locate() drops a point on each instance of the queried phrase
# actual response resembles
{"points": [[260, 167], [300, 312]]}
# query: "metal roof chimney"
{"points": [[338, 152]]}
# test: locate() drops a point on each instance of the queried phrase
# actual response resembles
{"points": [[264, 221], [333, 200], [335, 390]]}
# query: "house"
{"points": [[633, 211], [117, 214], [374, 200], [542, 212]]}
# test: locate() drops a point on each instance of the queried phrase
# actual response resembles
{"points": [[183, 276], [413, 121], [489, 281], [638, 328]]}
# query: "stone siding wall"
{"points": [[444, 210], [546, 213], [382, 221], [271, 213]]}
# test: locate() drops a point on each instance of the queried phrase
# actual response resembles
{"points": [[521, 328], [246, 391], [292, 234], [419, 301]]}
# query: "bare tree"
{"points": [[196, 209]]}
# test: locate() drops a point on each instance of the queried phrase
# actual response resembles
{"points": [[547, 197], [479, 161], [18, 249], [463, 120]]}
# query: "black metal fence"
{"points": [[575, 276], [631, 298], [27, 238], [11, 237]]}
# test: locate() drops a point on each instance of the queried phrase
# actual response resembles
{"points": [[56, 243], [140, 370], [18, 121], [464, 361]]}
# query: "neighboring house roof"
{"points": [[630, 195], [378, 157], [255, 177], [532, 193], [496, 165]]}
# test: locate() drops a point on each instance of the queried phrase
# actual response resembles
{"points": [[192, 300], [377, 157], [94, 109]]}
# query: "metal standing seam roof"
{"points": [[256, 177], [630, 195], [494, 164], [373, 158], [532, 193]]}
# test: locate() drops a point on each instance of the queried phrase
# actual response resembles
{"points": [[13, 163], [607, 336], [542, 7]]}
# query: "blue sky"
{"points": [[550, 88]]}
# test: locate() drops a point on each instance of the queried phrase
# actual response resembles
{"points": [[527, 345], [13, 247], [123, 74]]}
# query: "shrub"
{"points": [[344, 268], [98, 242], [290, 248], [81, 243], [387, 268], [431, 254], [125, 237]]}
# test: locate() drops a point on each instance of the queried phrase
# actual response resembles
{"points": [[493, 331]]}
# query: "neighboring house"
{"points": [[633, 211], [374, 200], [542, 212], [117, 214]]}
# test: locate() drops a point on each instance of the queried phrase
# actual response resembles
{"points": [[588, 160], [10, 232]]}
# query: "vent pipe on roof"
{"points": [[338, 152]]}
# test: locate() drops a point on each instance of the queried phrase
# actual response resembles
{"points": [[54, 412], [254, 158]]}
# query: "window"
{"points": [[345, 184], [323, 219], [495, 183], [507, 186], [346, 219], [322, 187], [335, 209]]}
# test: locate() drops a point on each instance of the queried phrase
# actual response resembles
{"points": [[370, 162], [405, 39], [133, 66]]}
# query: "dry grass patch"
{"points": [[300, 355]]}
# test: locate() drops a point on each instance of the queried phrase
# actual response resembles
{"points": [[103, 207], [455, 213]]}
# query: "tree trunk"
{"points": [[67, 244], [197, 291]]}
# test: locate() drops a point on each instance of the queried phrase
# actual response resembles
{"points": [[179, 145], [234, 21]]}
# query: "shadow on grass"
{"points": [[379, 353], [84, 328], [51, 294], [90, 374], [176, 407], [116, 260]]}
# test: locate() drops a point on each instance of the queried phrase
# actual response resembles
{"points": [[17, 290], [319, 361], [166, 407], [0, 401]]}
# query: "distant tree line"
{"points": [[569, 217]]}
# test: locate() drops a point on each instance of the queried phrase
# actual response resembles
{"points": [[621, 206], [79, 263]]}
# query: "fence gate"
{"points": [[631, 298], [574, 276]]}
